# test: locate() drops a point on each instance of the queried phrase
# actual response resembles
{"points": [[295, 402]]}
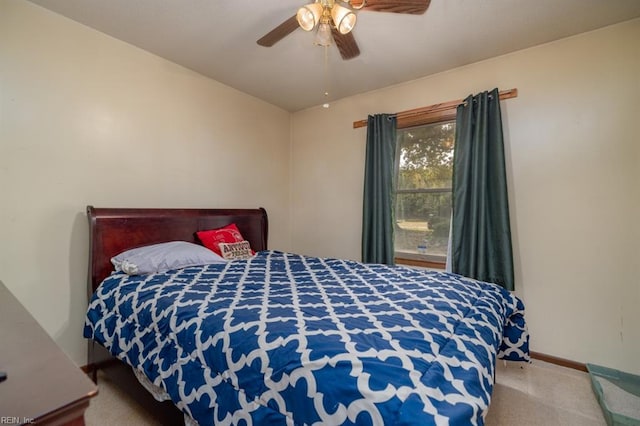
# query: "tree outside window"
{"points": [[424, 170]]}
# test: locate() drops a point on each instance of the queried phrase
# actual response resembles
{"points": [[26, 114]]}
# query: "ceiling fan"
{"points": [[336, 21]]}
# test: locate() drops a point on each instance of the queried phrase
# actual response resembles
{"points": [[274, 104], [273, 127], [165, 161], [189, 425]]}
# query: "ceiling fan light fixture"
{"points": [[323, 36], [308, 16], [343, 18]]}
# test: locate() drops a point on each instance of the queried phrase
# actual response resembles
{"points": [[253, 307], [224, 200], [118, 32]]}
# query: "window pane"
{"points": [[425, 156], [422, 223]]}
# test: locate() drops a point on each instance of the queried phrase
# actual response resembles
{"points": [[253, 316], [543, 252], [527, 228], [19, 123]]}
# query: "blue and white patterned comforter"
{"points": [[288, 339]]}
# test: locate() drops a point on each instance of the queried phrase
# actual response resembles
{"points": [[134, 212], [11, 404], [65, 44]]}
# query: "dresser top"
{"points": [[41, 380]]}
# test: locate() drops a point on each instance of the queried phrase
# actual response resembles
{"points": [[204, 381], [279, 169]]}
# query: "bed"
{"points": [[281, 338]]}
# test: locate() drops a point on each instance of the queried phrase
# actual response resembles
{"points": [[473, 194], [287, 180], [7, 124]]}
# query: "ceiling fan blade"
{"points": [[414, 7], [346, 44], [279, 32]]}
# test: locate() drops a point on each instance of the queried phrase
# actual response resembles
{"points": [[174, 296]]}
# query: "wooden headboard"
{"points": [[114, 230]]}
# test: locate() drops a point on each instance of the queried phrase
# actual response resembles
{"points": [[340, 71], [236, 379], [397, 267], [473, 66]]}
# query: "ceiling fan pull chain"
{"points": [[326, 77]]}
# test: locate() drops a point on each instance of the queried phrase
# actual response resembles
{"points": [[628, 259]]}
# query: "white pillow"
{"points": [[163, 257]]}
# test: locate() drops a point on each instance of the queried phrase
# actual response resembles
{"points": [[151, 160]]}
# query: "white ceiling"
{"points": [[218, 39]]}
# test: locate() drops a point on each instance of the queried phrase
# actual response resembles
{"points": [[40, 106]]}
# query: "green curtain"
{"points": [[378, 200], [481, 234]]}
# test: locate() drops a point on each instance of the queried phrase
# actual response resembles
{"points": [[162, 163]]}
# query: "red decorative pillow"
{"points": [[212, 238]]}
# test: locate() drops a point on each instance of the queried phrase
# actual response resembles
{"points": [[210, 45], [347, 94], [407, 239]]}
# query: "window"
{"points": [[424, 168]]}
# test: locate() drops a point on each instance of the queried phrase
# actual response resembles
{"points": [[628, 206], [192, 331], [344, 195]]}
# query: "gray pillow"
{"points": [[163, 257]]}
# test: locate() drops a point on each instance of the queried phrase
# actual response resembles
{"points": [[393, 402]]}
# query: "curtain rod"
{"points": [[505, 94]]}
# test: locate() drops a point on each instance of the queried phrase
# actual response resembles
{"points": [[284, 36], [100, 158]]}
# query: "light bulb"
{"points": [[343, 18], [309, 15]]}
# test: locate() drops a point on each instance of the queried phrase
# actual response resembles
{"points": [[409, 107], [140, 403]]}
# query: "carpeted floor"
{"points": [[543, 394], [538, 394]]}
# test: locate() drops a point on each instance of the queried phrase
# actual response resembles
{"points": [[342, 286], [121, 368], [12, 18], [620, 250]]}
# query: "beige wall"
{"points": [[573, 170], [86, 119]]}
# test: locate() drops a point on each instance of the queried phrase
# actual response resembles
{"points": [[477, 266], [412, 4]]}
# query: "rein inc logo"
{"points": [[12, 420]]}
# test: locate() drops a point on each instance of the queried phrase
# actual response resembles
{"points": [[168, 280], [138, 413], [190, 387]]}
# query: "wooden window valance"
{"points": [[432, 113]]}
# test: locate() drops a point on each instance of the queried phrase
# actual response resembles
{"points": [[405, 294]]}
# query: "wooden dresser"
{"points": [[43, 386]]}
